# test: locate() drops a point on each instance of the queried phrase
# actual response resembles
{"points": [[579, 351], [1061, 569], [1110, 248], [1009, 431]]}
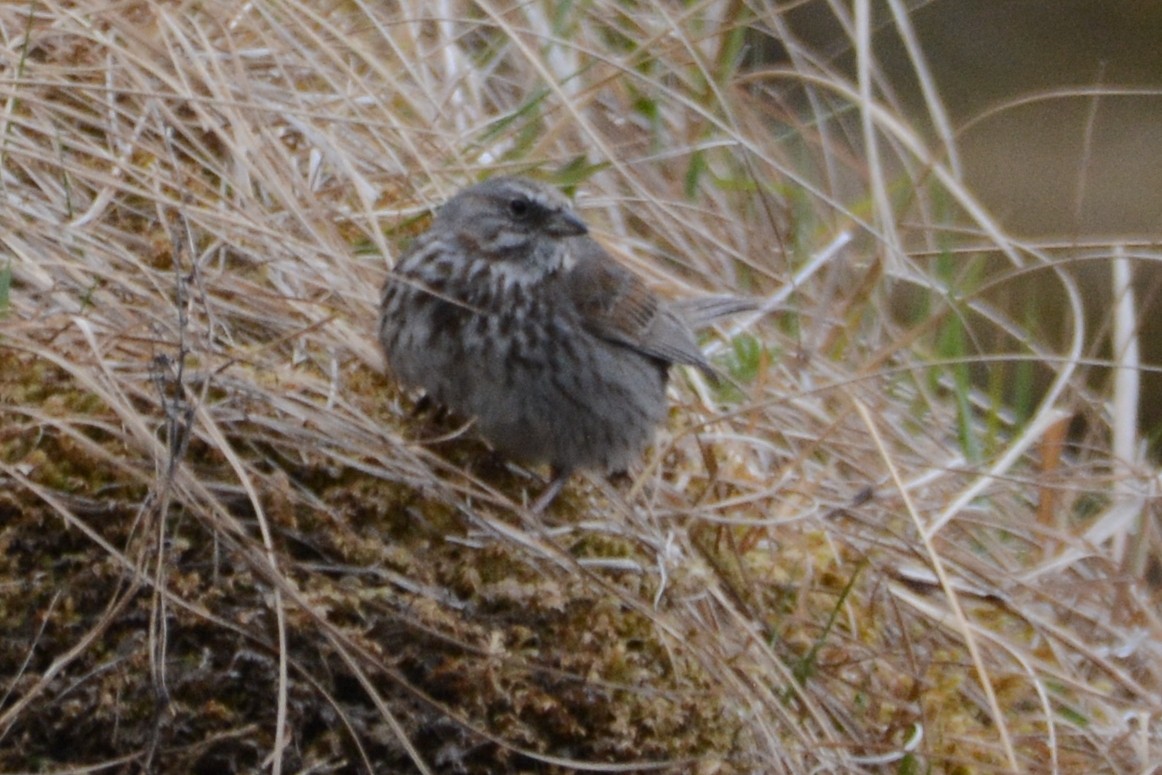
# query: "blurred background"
{"points": [[1042, 152], [1057, 113]]}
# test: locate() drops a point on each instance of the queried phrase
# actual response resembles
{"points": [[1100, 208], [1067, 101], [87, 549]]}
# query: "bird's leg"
{"points": [[424, 403], [556, 482]]}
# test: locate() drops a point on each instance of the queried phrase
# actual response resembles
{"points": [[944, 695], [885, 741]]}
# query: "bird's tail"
{"points": [[702, 311]]}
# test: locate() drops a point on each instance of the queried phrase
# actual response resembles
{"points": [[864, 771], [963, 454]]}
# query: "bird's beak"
{"points": [[565, 223]]}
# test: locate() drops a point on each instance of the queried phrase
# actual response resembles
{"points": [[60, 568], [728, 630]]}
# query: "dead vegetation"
{"points": [[224, 548]]}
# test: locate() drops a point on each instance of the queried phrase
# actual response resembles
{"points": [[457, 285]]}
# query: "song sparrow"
{"points": [[507, 312]]}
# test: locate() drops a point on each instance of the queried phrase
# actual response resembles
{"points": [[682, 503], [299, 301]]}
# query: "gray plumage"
{"points": [[506, 311]]}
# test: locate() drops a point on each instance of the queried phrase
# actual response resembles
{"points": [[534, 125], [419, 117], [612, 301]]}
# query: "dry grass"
{"points": [[224, 548]]}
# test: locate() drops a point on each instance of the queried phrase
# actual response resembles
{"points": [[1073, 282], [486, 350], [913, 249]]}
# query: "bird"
{"points": [[508, 312]]}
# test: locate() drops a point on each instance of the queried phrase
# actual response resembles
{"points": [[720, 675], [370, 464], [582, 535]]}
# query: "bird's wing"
{"points": [[615, 305]]}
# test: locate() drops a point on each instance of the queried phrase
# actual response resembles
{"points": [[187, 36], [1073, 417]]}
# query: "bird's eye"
{"points": [[519, 207]]}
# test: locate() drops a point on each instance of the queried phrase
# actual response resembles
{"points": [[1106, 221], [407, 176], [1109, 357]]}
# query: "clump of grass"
{"points": [[227, 547]]}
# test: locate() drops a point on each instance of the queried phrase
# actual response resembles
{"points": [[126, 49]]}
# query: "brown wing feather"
{"points": [[617, 306]]}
